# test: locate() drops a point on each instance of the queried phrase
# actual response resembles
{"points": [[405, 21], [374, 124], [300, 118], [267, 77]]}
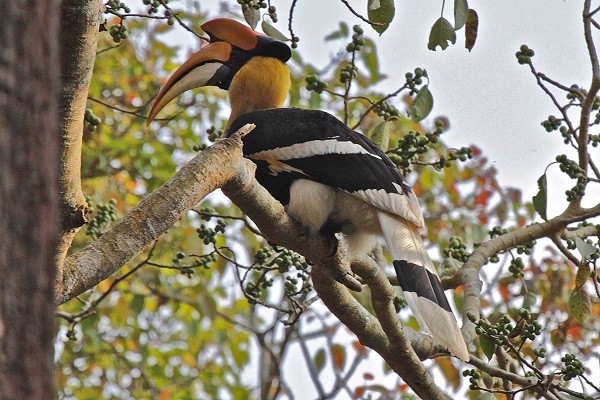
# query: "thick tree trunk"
{"points": [[29, 209]]}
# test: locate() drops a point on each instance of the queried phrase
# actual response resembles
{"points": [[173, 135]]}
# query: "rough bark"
{"points": [[80, 20], [159, 211], [29, 148]]}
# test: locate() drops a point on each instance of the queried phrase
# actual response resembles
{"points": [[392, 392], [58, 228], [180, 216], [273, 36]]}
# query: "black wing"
{"points": [[292, 143]]}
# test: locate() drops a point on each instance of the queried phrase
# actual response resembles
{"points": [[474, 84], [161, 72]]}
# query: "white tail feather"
{"points": [[440, 323], [405, 243]]}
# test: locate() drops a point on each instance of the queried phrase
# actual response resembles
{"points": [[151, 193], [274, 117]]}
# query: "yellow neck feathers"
{"points": [[263, 82]]}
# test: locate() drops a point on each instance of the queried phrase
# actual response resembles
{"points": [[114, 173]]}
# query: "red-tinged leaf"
{"points": [[482, 198], [476, 150], [504, 292], [338, 354], [521, 221], [403, 387], [471, 29], [368, 376], [320, 360], [575, 332], [360, 349], [483, 219], [359, 391], [165, 394], [449, 370], [417, 189]]}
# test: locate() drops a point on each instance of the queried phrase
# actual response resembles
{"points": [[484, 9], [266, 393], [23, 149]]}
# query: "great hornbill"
{"points": [[329, 177]]}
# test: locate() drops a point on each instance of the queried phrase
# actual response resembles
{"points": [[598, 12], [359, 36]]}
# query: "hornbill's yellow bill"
{"points": [[231, 46]]}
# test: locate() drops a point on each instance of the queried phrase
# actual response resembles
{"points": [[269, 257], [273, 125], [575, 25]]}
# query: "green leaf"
{"points": [[461, 13], [540, 199], [273, 32], [488, 345], [471, 29], [137, 303], [252, 16], [320, 360], [421, 105], [340, 33], [441, 33], [585, 249], [486, 396], [580, 305], [583, 273], [381, 12], [380, 135], [529, 300]]}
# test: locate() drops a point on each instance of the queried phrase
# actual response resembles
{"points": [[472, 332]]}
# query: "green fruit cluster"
{"points": [[251, 4], [273, 13], [524, 54], [572, 367], [552, 123], [570, 167], [457, 249], [118, 32], [214, 134], [314, 84], [358, 40], [92, 120], [413, 80], [103, 214], [387, 111], [154, 5], [474, 376], [497, 231], [516, 268], [208, 234], [347, 72], [116, 5]]}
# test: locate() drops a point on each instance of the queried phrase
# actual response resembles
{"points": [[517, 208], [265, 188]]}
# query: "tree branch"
{"points": [[155, 214], [80, 21], [469, 273]]}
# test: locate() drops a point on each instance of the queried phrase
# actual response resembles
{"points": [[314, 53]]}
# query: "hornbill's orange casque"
{"points": [[330, 178]]}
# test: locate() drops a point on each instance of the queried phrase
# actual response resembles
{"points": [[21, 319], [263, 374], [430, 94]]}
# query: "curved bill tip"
{"points": [[206, 67]]}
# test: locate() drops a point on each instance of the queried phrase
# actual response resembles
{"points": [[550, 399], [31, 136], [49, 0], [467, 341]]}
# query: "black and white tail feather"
{"points": [[333, 179]]}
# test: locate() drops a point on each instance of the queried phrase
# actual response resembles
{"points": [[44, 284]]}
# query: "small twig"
{"points": [[540, 79], [563, 249], [348, 86], [376, 104], [90, 308], [290, 19], [356, 14], [134, 113], [109, 48]]}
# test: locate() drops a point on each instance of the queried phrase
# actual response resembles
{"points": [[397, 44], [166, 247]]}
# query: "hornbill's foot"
{"points": [[349, 280]]}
